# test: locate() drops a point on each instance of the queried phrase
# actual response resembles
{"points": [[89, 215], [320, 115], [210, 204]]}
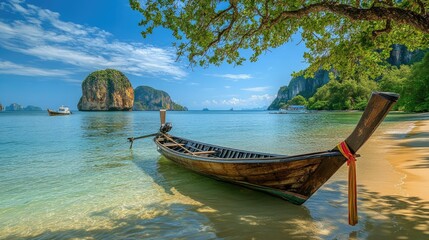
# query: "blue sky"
{"points": [[47, 48]]}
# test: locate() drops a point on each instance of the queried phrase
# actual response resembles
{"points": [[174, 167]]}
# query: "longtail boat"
{"points": [[294, 178], [61, 111]]}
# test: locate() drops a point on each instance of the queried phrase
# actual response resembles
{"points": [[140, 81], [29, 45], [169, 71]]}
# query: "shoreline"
{"points": [[410, 156], [396, 160]]}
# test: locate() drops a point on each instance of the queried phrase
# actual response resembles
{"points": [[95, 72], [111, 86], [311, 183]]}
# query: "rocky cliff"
{"points": [[147, 98], [106, 90], [305, 87], [282, 98], [1, 107], [401, 55]]}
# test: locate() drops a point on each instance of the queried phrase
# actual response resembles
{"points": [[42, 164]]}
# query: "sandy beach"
{"points": [[395, 161], [410, 156], [395, 178]]}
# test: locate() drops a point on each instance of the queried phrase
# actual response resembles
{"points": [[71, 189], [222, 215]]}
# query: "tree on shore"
{"points": [[415, 93], [353, 37], [393, 80], [342, 95], [298, 100]]}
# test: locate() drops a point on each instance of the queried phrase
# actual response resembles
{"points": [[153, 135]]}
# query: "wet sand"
{"points": [[410, 156], [395, 161], [393, 185]]}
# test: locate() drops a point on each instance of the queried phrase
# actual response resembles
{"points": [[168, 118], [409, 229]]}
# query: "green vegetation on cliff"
{"points": [[353, 93], [412, 83], [298, 100], [393, 80], [342, 95], [416, 88], [300, 85], [148, 98], [114, 79]]}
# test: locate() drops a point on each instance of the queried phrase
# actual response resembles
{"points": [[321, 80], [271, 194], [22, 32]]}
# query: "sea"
{"points": [[75, 177]]}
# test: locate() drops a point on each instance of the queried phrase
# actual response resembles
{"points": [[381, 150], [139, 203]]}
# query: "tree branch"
{"points": [[217, 16], [386, 29], [222, 32], [404, 16], [421, 6]]}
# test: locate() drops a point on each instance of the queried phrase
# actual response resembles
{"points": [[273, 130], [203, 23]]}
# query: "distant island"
{"points": [[110, 90], [1, 107], [17, 107], [148, 98]]}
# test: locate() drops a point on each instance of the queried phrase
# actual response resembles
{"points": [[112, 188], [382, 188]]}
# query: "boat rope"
{"points": [[351, 162], [172, 140]]}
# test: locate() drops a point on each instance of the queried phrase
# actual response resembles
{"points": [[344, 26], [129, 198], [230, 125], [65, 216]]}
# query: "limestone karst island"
{"points": [[110, 90]]}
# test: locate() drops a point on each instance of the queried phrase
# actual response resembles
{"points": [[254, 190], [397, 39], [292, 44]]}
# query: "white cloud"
{"points": [[17, 7], [256, 89], [234, 77], [42, 34], [263, 97], [210, 103], [76, 58], [227, 87], [233, 101], [7, 67]]}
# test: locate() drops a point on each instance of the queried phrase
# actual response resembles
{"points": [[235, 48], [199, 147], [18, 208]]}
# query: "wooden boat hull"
{"points": [[279, 175], [55, 113]]}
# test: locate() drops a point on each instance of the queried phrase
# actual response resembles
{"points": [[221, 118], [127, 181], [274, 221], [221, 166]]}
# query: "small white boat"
{"points": [[61, 111]]}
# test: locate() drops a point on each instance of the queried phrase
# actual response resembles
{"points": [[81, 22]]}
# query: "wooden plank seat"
{"points": [[173, 144], [203, 152]]}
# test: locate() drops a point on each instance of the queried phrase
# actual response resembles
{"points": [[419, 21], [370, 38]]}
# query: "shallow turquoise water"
{"points": [[75, 177]]}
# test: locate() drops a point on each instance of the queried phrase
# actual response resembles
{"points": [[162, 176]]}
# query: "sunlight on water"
{"points": [[75, 177]]}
